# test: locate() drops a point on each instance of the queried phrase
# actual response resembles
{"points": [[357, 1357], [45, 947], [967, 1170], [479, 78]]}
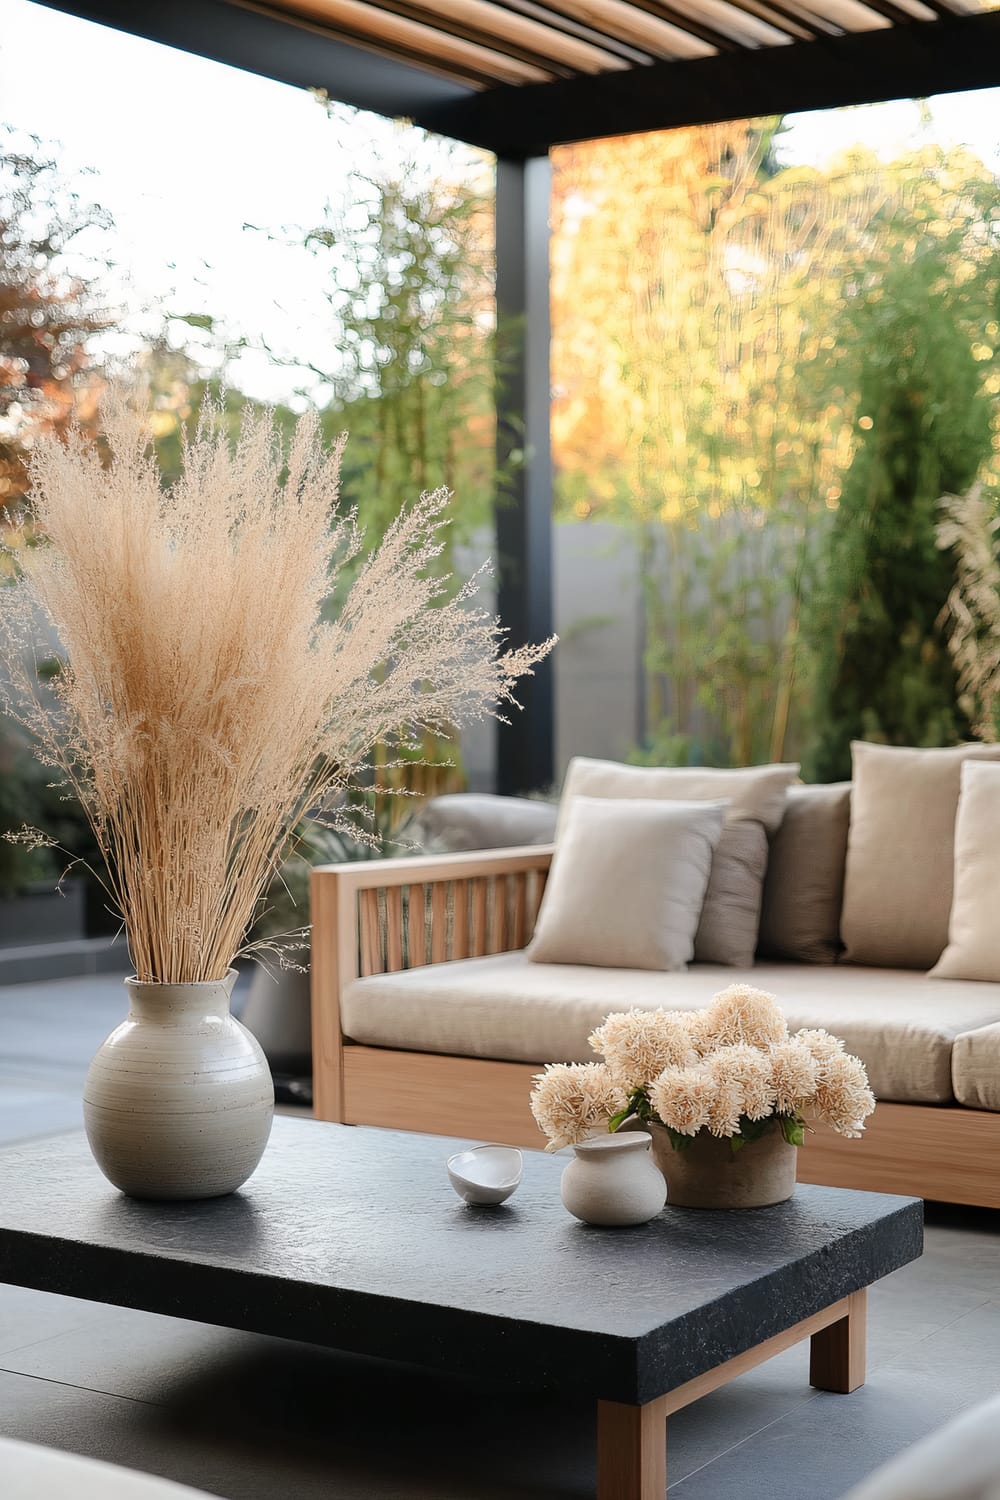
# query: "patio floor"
{"points": [[248, 1417]]}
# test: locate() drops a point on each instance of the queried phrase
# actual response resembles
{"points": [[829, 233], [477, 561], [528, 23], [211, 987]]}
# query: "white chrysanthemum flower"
{"points": [[684, 1098], [843, 1098], [794, 1076], [821, 1044], [726, 1108], [748, 1069], [638, 1044], [742, 1015], [571, 1100]]}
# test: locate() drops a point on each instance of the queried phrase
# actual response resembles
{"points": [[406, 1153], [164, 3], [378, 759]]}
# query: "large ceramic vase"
{"points": [[178, 1101], [709, 1174]]}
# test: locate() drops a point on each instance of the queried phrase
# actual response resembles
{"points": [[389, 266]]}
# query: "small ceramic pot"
{"points": [[613, 1180], [708, 1174], [178, 1101]]}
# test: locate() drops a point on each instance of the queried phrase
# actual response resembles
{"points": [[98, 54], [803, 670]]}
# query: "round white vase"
{"points": [[613, 1180], [178, 1102]]}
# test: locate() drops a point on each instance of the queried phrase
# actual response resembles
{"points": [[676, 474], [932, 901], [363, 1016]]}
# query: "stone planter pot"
{"points": [[178, 1101], [43, 915], [278, 1012], [708, 1175]]}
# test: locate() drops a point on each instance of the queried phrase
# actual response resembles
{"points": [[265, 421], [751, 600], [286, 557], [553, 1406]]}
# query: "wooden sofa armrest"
{"points": [[383, 915]]}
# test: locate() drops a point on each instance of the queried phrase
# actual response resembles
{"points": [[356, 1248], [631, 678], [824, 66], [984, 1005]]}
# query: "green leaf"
{"points": [[736, 1143], [616, 1121], [793, 1130], [752, 1130]]}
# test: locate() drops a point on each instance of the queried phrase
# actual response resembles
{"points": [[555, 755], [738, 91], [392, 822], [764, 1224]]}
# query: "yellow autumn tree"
{"points": [[706, 390]]}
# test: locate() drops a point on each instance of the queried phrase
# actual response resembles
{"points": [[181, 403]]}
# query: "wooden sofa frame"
{"points": [[384, 915]]}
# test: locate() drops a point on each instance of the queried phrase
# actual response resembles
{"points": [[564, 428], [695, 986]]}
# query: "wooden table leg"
{"points": [[632, 1450], [837, 1353]]}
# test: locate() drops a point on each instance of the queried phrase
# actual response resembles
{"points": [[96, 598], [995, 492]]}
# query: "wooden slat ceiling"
{"points": [[485, 43]]}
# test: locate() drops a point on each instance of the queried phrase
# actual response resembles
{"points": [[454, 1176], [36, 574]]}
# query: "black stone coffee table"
{"points": [[352, 1238]]}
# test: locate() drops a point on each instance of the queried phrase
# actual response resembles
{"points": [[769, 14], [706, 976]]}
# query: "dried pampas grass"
{"points": [[205, 705]]}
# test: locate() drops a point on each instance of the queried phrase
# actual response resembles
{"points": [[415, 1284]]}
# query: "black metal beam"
{"points": [[265, 43], [524, 459], [912, 61]]}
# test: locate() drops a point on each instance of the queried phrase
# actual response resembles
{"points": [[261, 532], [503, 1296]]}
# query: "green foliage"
{"points": [[639, 1108], [883, 671], [411, 275], [22, 798]]}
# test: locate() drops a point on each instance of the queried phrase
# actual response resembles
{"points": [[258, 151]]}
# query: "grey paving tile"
{"points": [[29, 1317], [357, 1439], [121, 1352], [820, 1450]]}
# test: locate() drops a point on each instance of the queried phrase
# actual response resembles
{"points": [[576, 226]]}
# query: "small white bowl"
{"points": [[486, 1174]]}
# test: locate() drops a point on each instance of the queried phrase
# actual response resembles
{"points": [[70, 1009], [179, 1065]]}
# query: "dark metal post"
{"points": [[524, 458]]}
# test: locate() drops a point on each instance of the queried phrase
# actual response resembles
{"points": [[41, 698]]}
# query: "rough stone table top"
{"points": [[353, 1238]]}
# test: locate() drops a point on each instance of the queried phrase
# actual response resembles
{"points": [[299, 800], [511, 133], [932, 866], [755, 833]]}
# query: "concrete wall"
{"points": [[596, 663]]}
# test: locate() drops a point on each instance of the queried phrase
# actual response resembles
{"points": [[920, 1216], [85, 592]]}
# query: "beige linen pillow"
{"points": [[900, 852], [804, 885], [727, 933], [627, 884], [973, 950]]}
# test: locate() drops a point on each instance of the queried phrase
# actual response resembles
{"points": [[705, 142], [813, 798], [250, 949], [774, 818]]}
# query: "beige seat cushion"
{"points": [[975, 1068], [901, 1024], [973, 950], [804, 886], [627, 883], [727, 933], [900, 852]]}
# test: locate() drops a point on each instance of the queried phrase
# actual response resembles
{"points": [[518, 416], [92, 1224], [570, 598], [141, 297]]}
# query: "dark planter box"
{"points": [[42, 915]]}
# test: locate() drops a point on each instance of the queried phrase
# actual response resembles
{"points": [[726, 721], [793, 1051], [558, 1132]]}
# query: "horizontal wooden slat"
{"points": [[363, 20], [380, 874], [618, 18], [501, 26], [781, 15], [733, 22], [850, 15]]}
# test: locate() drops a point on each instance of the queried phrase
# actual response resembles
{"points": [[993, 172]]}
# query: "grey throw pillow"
{"points": [[804, 886]]}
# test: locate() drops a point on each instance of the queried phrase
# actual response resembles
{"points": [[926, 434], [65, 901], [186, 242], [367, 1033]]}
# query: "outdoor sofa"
{"points": [[429, 1014]]}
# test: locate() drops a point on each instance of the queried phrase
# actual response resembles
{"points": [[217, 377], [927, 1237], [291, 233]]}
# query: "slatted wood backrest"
{"points": [[466, 915]]}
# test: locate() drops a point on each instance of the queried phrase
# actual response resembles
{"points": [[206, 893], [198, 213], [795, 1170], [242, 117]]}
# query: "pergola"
{"points": [[519, 77]]}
